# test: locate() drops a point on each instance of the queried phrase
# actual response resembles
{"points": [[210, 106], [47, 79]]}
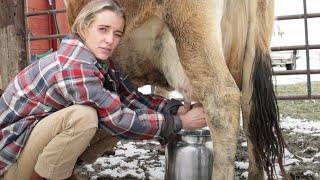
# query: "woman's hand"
{"points": [[185, 108], [182, 110], [194, 119]]}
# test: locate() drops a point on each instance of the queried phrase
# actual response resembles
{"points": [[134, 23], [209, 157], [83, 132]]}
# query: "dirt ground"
{"points": [[302, 160], [306, 149], [302, 163]]}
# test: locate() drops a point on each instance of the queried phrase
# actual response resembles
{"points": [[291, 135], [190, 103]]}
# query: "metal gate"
{"points": [[305, 47]]}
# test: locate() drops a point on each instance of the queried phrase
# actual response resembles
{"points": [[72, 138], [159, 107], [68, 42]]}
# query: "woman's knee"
{"points": [[84, 116]]}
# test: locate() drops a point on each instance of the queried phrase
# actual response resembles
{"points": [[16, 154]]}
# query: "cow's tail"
{"points": [[264, 128]]}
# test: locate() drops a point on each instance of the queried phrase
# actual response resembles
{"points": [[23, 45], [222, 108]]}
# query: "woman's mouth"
{"points": [[106, 49]]}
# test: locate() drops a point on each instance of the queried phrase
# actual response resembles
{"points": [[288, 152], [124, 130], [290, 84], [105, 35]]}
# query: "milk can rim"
{"points": [[200, 132]]}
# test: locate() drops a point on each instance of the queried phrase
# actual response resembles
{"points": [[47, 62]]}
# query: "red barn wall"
{"points": [[42, 25]]}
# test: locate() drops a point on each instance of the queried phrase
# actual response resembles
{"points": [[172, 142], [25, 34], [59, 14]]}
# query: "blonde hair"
{"points": [[87, 14]]}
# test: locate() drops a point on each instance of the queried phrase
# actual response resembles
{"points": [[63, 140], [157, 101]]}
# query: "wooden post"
{"points": [[13, 54]]}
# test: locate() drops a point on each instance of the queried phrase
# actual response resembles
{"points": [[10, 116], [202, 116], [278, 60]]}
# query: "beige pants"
{"points": [[57, 141]]}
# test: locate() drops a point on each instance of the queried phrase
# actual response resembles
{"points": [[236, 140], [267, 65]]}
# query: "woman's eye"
{"points": [[102, 29], [118, 35]]}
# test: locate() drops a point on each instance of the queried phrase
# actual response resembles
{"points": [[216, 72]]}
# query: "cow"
{"points": [[215, 52]]}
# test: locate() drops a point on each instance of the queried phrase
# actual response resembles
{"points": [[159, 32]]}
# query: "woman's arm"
{"points": [[84, 86]]}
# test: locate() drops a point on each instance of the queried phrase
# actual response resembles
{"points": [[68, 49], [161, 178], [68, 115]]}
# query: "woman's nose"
{"points": [[109, 38]]}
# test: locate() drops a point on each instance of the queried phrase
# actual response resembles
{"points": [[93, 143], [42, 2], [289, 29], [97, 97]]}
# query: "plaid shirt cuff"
{"points": [[172, 124]]}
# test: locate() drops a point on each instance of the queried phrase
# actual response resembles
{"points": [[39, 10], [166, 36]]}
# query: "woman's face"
{"points": [[103, 34]]}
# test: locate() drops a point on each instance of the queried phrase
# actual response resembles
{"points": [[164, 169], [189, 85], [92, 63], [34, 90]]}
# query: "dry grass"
{"points": [[308, 109]]}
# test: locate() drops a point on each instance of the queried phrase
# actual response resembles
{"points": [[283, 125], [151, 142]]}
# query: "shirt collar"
{"points": [[76, 44]]}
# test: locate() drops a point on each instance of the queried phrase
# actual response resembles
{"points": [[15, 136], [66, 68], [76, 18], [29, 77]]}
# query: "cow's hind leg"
{"points": [[199, 45]]}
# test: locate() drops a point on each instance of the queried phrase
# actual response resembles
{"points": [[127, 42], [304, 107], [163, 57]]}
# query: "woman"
{"points": [[52, 109]]}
